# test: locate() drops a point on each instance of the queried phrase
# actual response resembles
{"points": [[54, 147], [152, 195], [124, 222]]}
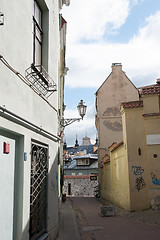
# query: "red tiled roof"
{"points": [[152, 89], [132, 104], [119, 144], [107, 161]]}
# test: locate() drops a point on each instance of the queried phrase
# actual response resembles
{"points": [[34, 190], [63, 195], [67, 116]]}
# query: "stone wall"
{"points": [[79, 186]]}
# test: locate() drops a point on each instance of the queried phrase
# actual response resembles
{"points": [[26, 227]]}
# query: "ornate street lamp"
{"points": [[81, 110]]}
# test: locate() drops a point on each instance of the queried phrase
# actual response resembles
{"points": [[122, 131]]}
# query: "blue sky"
{"points": [[100, 33], [135, 20]]}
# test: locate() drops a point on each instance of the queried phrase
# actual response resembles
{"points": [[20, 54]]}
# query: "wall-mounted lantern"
{"points": [[81, 110]]}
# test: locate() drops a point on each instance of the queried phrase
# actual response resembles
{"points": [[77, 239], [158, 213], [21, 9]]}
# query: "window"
{"points": [[83, 162], [37, 34]]}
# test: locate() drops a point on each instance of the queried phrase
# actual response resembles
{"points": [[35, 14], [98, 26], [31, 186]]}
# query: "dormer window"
{"points": [[83, 162]]}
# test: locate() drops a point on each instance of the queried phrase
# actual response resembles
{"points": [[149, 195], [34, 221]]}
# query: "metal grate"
{"points": [[38, 195], [39, 77]]}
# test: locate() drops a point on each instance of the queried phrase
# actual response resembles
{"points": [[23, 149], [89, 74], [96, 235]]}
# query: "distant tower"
{"points": [[86, 141], [76, 143]]}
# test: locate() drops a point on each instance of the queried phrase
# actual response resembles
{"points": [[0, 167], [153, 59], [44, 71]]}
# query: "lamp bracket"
{"points": [[68, 121]]}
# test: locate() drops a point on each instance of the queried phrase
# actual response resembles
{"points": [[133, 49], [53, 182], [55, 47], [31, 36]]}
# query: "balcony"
{"points": [[40, 79]]}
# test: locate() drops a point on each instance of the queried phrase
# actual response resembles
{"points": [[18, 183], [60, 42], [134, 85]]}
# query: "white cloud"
{"points": [[91, 19], [90, 63]]}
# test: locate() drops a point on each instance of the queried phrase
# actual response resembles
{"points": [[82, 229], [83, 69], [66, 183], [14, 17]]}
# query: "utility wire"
{"points": [[4, 61]]}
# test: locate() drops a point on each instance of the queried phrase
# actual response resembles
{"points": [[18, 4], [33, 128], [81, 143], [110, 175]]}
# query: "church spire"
{"points": [[96, 140], [76, 143]]}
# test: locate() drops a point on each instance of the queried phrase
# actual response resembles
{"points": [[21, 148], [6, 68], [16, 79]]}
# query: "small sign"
{"points": [[25, 156], [93, 178], [6, 147]]}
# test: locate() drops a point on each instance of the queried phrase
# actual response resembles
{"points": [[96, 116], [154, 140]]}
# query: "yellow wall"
{"points": [[138, 165], [152, 125], [144, 169], [115, 185], [151, 103], [120, 178], [131, 179], [106, 191]]}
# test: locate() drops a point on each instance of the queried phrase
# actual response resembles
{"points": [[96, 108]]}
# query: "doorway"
{"points": [[69, 188]]}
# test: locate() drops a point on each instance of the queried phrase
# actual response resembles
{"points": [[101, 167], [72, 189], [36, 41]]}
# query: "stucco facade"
{"points": [[116, 88], [29, 123], [132, 180]]}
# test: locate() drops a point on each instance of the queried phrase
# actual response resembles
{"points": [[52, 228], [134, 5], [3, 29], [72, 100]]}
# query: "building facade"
{"points": [[116, 88], [81, 176], [29, 122], [131, 174], [80, 168]]}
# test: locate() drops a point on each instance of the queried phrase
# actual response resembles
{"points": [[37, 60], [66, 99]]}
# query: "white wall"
{"points": [[7, 188], [16, 96]]}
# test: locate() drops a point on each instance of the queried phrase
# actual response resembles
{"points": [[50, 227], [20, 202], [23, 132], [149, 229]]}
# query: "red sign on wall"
{"points": [[6, 148]]}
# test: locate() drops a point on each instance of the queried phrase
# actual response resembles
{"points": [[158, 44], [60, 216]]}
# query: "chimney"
{"points": [[116, 67]]}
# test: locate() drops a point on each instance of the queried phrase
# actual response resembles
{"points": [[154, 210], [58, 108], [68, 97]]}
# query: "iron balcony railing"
{"points": [[39, 77]]}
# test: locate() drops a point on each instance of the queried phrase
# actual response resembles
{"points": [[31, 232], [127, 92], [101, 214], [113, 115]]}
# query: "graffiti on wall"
{"points": [[137, 170], [155, 180], [140, 183]]}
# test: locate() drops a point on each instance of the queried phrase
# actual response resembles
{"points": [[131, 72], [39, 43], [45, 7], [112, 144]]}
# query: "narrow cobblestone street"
{"points": [[80, 218]]}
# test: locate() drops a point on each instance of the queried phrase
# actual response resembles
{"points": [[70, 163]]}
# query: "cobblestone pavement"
{"points": [[143, 225]]}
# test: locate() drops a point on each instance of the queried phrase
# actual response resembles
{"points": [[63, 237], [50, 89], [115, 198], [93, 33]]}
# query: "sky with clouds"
{"points": [[102, 32]]}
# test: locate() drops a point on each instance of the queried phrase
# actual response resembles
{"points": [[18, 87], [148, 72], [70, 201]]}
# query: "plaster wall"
{"points": [[120, 178], [18, 38], [153, 154], [17, 48], [137, 159], [106, 189], [150, 103], [143, 157], [117, 88], [15, 131], [134, 166], [7, 179]]}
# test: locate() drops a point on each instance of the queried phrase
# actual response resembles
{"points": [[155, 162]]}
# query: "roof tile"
{"points": [[132, 104], [151, 89]]}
